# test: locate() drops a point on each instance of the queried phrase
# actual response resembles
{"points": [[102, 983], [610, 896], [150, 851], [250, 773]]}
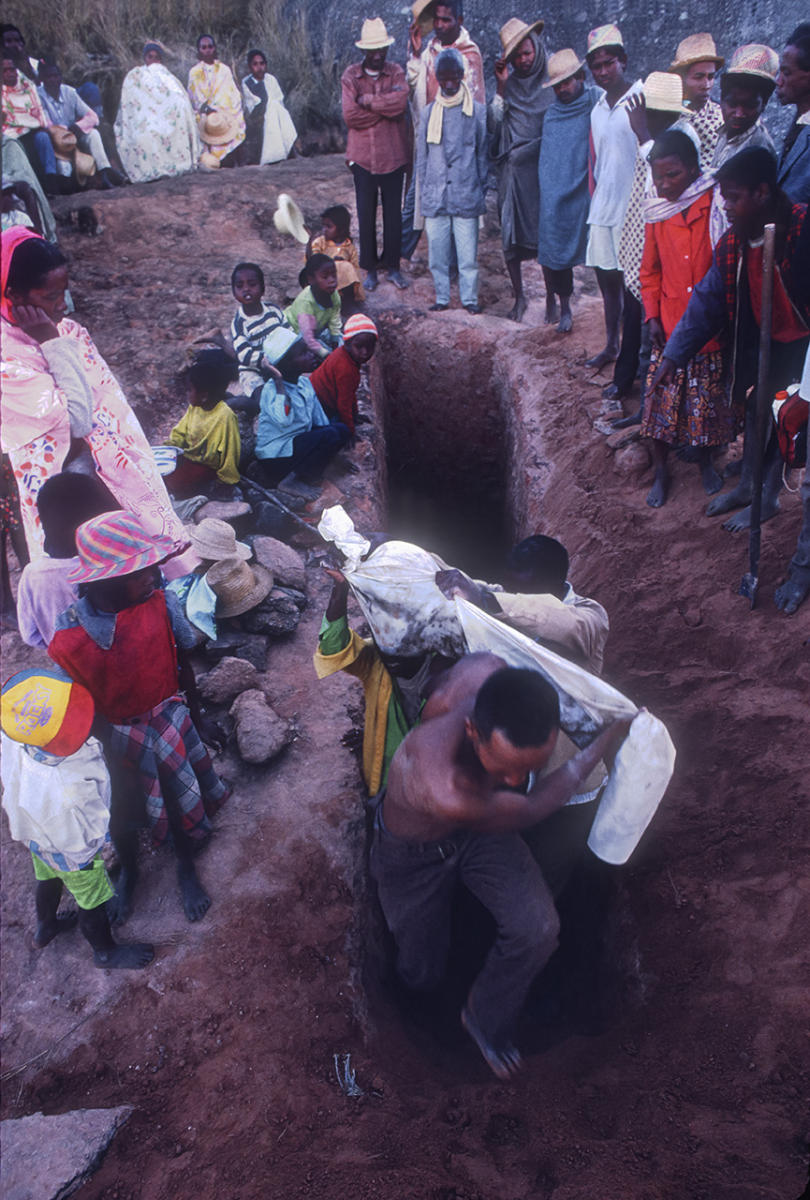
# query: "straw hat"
{"points": [[664, 92], [755, 59], [422, 13], [604, 35], [115, 544], [698, 47], [209, 161], [64, 142], [47, 709], [358, 324], [84, 165], [288, 218], [217, 128], [238, 587], [561, 66], [374, 35], [513, 33], [214, 540]]}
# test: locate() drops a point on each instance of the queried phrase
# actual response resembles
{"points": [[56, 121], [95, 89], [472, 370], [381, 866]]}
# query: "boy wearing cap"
{"points": [[335, 381], [56, 793], [697, 62], [124, 640]]}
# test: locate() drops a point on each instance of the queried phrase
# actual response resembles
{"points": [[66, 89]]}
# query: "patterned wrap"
{"points": [[213, 85], [155, 129]]}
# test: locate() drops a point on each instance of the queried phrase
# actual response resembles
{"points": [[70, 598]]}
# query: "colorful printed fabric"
{"points": [[695, 409], [155, 128], [707, 123], [22, 109], [173, 770], [212, 85]]}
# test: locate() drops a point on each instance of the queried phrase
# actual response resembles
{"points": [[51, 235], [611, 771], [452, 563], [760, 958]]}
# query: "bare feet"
{"points": [[736, 498], [742, 519], [732, 469], [119, 908], [791, 594], [712, 479], [505, 1062], [132, 955], [602, 359], [517, 310], [48, 930], [551, 311], [628, 422], [196, 901], [566, 323], [657, 495]]}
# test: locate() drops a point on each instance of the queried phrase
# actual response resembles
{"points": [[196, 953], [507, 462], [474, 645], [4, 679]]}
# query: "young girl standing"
{"points": [[336, 243]]}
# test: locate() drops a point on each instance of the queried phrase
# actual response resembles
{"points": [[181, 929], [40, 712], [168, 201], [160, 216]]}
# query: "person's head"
{"points": [[336, 223], [698, 81], [9, 72], [208, 376], [449, 72], [514, 725], [697, 62], [663, 101], [447, 18], [742, 99], [675, 164], [38, 276], [321, 275], [748, 186], [288, 353], [538, 565], [522, 59], [206, 48], [257, 64], [607, 58], [566, 75], [793, 80], [118, 560], [13, 41], [374, 42], [247, 285], [50, 76], [360, 338], [66, 501], [152, 54]]}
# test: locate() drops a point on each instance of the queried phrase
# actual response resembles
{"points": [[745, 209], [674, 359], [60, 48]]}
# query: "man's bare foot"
{"points": [[505, 1062], [48, 930], [732, 469], [196, 901], [790, 594], [517, 310], [119, 908], [657, 495], [566, 323], [551, 311], [628, 422], [742, 519], [602, 359], [132, 955], [712, 479], [736, 498]]}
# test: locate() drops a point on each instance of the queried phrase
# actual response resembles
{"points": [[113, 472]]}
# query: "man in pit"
{"points": [[460, 788]]}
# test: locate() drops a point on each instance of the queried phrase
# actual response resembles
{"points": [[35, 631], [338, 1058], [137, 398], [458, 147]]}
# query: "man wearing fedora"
{"points": [[375, 99], [793, 87], [697, 62]]}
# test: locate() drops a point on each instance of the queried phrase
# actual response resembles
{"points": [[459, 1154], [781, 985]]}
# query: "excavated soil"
{"points": [[667, 1053]]}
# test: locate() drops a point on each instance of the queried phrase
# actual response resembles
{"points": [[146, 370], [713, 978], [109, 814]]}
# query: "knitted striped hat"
{"points": [[48, 710], [114, 544], [359, 323]]}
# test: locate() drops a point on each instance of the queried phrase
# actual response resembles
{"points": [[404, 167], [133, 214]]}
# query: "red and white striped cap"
{"points": [[359, 323]]}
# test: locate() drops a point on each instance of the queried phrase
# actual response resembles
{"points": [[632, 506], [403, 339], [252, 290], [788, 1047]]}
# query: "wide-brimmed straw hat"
{"points": [[214, 540], [114, 544], [374, 35], [238, 587], [422, 12], [604, 35], [755, 59], [288, 218], [63, 141], [664, 92], [217, 128], [514, 32], [562, 66], [209, 161], [698, 47]]}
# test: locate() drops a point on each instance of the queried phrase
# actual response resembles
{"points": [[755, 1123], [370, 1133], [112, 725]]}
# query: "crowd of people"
{"points": [[665, 193]]}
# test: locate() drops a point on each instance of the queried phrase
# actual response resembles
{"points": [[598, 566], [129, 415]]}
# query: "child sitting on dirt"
{"points": [[208, 431], [56, 793], [64, 502], [124, 641], [335, 241], [253, 321], [315, 311], [335, 380]]}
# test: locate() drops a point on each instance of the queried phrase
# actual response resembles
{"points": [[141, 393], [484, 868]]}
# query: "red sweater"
{"points": [[335, 382]]}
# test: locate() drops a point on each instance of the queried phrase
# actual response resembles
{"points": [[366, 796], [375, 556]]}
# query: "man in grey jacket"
{"points": [[793, 87], [452, 164]]}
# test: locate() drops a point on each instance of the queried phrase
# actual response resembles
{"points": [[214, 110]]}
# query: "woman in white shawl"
{"points": [[155, 128], [271, 134]]}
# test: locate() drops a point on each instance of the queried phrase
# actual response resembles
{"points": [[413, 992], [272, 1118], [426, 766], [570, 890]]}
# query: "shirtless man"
{"points": [[449, 816]]}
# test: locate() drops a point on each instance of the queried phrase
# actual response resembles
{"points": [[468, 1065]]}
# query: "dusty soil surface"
{"points": [[667, 1042]]}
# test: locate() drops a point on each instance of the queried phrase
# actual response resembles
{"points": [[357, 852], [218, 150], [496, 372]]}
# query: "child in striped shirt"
{"points": [[253, 321]]}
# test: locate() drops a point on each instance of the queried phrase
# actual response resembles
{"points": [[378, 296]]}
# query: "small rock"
{"points": [[53, 1156], [285, 564], [276, 616], [238, 644], [223, 510], [261, 733], [229, 678], [632, 460], [622, 437]]}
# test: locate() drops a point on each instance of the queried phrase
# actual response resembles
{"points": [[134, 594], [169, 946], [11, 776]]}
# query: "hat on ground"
{"points": [[422, 12], [84, 165], [48, 710], [514, 32], [757, 60], [63, 141], [114, 544], [561, 66], [209, 161], [604, 35], [214, 540], [238, 587], [288, 218], [217, 128], [374, 35], [357, 324], [664, 93], [698, 47], [278, 342]]}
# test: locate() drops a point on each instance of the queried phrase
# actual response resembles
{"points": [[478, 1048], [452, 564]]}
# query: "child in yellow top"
{"points": [[335, 241], [208, 431]]}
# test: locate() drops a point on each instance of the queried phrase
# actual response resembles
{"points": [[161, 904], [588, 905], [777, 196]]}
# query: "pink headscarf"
{"points": [[11, 239]]}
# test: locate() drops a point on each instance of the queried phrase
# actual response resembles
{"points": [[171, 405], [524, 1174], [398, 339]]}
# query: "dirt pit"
{"points": [[666, 1044]]}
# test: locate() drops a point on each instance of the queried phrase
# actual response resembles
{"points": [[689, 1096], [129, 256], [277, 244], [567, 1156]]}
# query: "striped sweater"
{"points": [[248, 333]]}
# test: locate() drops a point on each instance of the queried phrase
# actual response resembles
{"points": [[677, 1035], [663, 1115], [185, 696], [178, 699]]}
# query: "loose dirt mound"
{"points": [[667, 1046]]}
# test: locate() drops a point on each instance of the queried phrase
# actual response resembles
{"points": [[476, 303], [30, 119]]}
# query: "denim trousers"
{"points": [[443, 233]]}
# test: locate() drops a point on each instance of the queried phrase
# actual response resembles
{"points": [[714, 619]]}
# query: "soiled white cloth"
{"points": [[58, 807]]}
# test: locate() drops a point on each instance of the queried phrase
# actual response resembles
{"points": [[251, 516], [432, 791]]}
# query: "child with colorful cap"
{"points": [[56, 793], [124, 640], [335, 380]]}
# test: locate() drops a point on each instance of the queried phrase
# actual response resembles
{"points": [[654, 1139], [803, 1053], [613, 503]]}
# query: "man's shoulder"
{"points": [[353, 71]]}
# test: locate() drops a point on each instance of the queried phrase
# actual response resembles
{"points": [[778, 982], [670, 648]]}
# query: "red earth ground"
{"points": [[672, 1063]]}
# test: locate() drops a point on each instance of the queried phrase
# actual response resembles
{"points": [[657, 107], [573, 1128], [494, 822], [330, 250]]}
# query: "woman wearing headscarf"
{"points": [[516, 120], [155, 128]]}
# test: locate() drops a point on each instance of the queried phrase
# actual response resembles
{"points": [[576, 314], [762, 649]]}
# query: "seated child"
{"points": [[208, 431], [315, 312], [253, 321], [124, 640], [335, 242], [64, 502], [335, 380], [56, 793], [293, 432]]}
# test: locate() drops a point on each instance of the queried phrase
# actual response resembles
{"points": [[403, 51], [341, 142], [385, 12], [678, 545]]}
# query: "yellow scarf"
{"points": [[463, 97]]}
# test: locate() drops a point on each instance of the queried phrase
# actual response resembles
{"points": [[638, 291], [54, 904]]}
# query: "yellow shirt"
{"points": [[210, 436]]}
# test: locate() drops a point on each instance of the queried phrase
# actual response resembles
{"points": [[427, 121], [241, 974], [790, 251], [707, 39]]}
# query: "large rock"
{"points": [[277, 615], [229, 678], [238, 644], [285, 564], [49, 1158], [261, 733]]}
